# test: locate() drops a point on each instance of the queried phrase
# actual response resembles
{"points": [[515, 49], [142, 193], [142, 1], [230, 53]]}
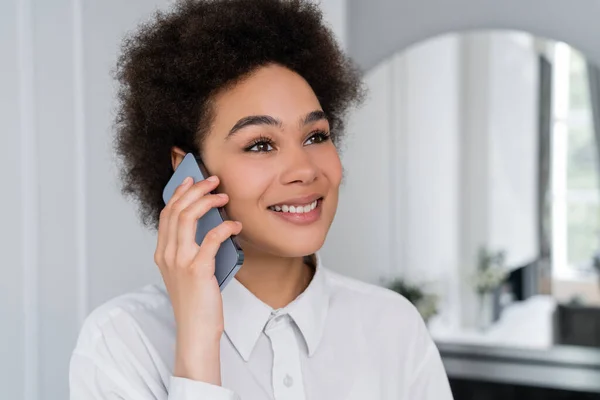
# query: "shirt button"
{"points": [[288, 381]]}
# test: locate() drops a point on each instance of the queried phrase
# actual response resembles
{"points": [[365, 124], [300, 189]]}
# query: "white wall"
{"points": [[68, 240], [429, 162], [499, 160], [15, 291], [513, 130], [360, 237]]}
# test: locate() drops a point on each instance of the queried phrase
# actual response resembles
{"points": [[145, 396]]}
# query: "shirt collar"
{"points": [[245, 315]]}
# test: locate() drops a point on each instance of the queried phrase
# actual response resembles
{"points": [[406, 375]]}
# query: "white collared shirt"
{"points": [[340, 339]]}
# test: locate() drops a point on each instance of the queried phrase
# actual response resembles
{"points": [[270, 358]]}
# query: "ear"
{"points": [[176, 156]]}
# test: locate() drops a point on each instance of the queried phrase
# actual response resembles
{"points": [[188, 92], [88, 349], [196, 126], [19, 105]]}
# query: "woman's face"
{"points": [[269, 146]]}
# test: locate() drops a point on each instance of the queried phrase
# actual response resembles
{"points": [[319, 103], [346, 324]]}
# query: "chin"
{"points": [[300, 249], [282, 246]]}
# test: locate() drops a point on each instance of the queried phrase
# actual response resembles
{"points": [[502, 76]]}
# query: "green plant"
{"points": [[425, 303], [491, 270], [412, 292]]}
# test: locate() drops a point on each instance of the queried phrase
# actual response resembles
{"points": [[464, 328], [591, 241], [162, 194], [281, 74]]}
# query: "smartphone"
{"points": [[230, 256]]}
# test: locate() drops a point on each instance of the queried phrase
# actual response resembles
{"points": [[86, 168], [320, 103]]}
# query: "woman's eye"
{"points": [[261, 146], [318, 137], [265, 145]]}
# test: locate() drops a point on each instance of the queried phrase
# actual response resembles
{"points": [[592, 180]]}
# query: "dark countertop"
{"points": [[558, 367]]}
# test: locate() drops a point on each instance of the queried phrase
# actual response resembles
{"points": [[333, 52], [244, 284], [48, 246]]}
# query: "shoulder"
{"points": [[120, 316], [125, 346], [391, 326], [371, 300]]}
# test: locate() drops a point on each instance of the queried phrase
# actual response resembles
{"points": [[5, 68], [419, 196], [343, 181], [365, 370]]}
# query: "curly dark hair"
{"points": [[172, 66]]}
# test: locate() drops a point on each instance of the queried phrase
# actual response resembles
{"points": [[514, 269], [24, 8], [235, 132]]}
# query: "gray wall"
{"points": [[378, 28]]}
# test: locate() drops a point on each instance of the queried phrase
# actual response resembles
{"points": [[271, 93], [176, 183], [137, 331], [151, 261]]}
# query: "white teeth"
{"points": [[296, 209]]}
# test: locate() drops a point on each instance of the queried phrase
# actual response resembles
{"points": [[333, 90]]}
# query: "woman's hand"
{"points": [[188, 271]]}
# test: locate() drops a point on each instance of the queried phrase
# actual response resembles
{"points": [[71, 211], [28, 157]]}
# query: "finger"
{"points": [[186, 197], [163, 222], [204, 259], [188, 224], [191, 194], [180, 190]]}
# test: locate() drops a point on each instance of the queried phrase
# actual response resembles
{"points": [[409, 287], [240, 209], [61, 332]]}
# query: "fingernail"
{"points": [[186, 181], [238, 223], [212, 178], [222, 195]]}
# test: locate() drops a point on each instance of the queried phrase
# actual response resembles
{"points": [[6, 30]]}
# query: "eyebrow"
{"points": [[311, 117]]}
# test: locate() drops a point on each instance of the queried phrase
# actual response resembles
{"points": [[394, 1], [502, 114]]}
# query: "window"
{"points": [[575, 175]]}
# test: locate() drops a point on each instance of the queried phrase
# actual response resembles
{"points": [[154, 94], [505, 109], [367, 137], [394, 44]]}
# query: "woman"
{"points": [[258, 89]]}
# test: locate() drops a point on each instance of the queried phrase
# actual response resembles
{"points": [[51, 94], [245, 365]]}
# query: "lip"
{"points": [[301, 218], [297, 201]]}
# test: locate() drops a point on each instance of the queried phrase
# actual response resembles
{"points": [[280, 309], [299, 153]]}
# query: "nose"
{"points": [[299, 167]]}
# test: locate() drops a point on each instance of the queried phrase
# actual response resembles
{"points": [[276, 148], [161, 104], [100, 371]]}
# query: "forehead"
{"points": [[271, 90]]}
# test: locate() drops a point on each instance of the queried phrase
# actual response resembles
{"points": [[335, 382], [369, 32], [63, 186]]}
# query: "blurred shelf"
{"points": [[559, 367]]}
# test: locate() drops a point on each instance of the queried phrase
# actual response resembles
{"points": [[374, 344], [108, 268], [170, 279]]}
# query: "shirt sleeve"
{"points": [[89, 380], [420, 364], [187, 389]]}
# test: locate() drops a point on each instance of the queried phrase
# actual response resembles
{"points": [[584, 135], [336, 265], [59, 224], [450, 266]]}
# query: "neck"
{"points": [[276, 281]]}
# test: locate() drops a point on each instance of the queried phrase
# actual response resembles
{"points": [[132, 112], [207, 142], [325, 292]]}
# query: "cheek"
{"points": [[244, 183], [331, 166]]}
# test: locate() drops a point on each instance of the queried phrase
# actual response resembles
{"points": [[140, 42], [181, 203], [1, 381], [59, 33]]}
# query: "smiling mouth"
{"points": [[296, 209]]}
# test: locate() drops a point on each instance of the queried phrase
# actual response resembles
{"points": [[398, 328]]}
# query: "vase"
{"points": [[485, 312]]}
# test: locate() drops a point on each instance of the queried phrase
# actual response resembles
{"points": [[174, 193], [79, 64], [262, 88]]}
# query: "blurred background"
{"points": [[472, 171]]}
